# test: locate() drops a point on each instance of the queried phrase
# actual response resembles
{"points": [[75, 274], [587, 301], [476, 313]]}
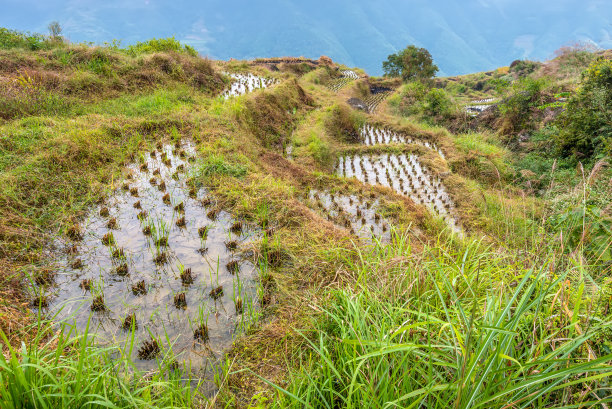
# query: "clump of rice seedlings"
{"points": [[112, 223], [182, 154], [191, 159], [212, 214], [144, 167], [162, 186], [201, 333], [139, 288], [231, 245], [125, 187], [193, 193], [146, 230], [104, 212], [153, 181], [180, 168], [159, 146], [134, 191], [118, 253], [187, 276], [180, 208], [40, 301], [236, 227], [161, 258], [129, 322], [180, 302], [98, 304], [216, 292], [167, 162], [206, 201], [129, 176], [203, 232], [153, 154], [177, 144], [180, 222], [142, 215], [156, 172], [275, 257], [72, 250], [76, 264], [137, 205], [162, 241], [233, 267], [238, 305], [44, 277], [74, 232], [121, 270], [166, 198], [149, 350], [85, 284], [175, 176], [203, 250]]}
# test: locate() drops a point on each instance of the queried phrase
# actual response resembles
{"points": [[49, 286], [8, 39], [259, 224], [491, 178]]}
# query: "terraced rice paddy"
{"points": [[375, 99], [347, 76], [371, 135], [244, 83], [356, 213], [161, 260], [478, 106], [404, 174]]}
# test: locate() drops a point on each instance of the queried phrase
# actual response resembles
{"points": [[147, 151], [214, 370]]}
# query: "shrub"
{"points": [[160, 45], [344, 123], [586, 124], [30, 41], [437, 103], [518, 108]]}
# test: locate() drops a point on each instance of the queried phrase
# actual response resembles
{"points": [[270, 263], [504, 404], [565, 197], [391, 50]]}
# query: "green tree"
{"points": [[55, 29], [411, 63]]}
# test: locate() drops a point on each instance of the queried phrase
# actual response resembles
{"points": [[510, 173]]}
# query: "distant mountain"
{"points": [[463, 36]]}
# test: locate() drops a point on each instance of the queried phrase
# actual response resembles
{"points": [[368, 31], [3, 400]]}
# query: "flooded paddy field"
{"points": [[358, 214], [347, 76], [245, 83], [160, 261], [372, 135], [375, 99], [404, 174]]}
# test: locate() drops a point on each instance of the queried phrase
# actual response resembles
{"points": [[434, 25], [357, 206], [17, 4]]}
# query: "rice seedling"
{"points": [[233, 267], [166, 199], [162, 186], [186, 275], [40, 301], [144, 167], [201, 333], [125, 186], [236, 227], [118, 253], [129, 323], [104, 212], [180, 207], [149, 350], [74, 232], [153, 181], [203, 232], [137, 205], [121, 270], [108, 239], [44, 277], [76, 264], [98, 304], [180, 301], [139, 288], [212, 214], [134, 191], [216, 292], [112, 223], [161, 257], [86, 284], [231, 245], [181, 222], [156, 172]]}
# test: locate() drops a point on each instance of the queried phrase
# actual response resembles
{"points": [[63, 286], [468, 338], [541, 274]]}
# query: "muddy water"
{"points": [[161, 312], [244, 83], [371, 135], [404, 174], [354, 213]]}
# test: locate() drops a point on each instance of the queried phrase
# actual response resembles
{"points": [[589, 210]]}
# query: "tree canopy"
{"points": [[411, 63]]}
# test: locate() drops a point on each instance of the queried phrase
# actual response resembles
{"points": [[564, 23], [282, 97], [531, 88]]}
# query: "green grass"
{"points": [[454, 328]]}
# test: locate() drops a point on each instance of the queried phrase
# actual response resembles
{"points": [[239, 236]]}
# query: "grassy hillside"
{"points": [[490, 289]]}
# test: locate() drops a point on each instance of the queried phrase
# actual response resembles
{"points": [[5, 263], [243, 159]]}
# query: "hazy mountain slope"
{"points": [[463, 36]]}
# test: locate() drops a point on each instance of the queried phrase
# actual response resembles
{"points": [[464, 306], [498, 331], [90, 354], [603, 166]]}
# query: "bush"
{"points": [[160, 45], [344, 123], [437, 103], [518, 108], [586, 124], [30, 41]]}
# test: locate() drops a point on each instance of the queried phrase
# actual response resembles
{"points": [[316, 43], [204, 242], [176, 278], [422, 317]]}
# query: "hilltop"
{"points": [[291, 232]]}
